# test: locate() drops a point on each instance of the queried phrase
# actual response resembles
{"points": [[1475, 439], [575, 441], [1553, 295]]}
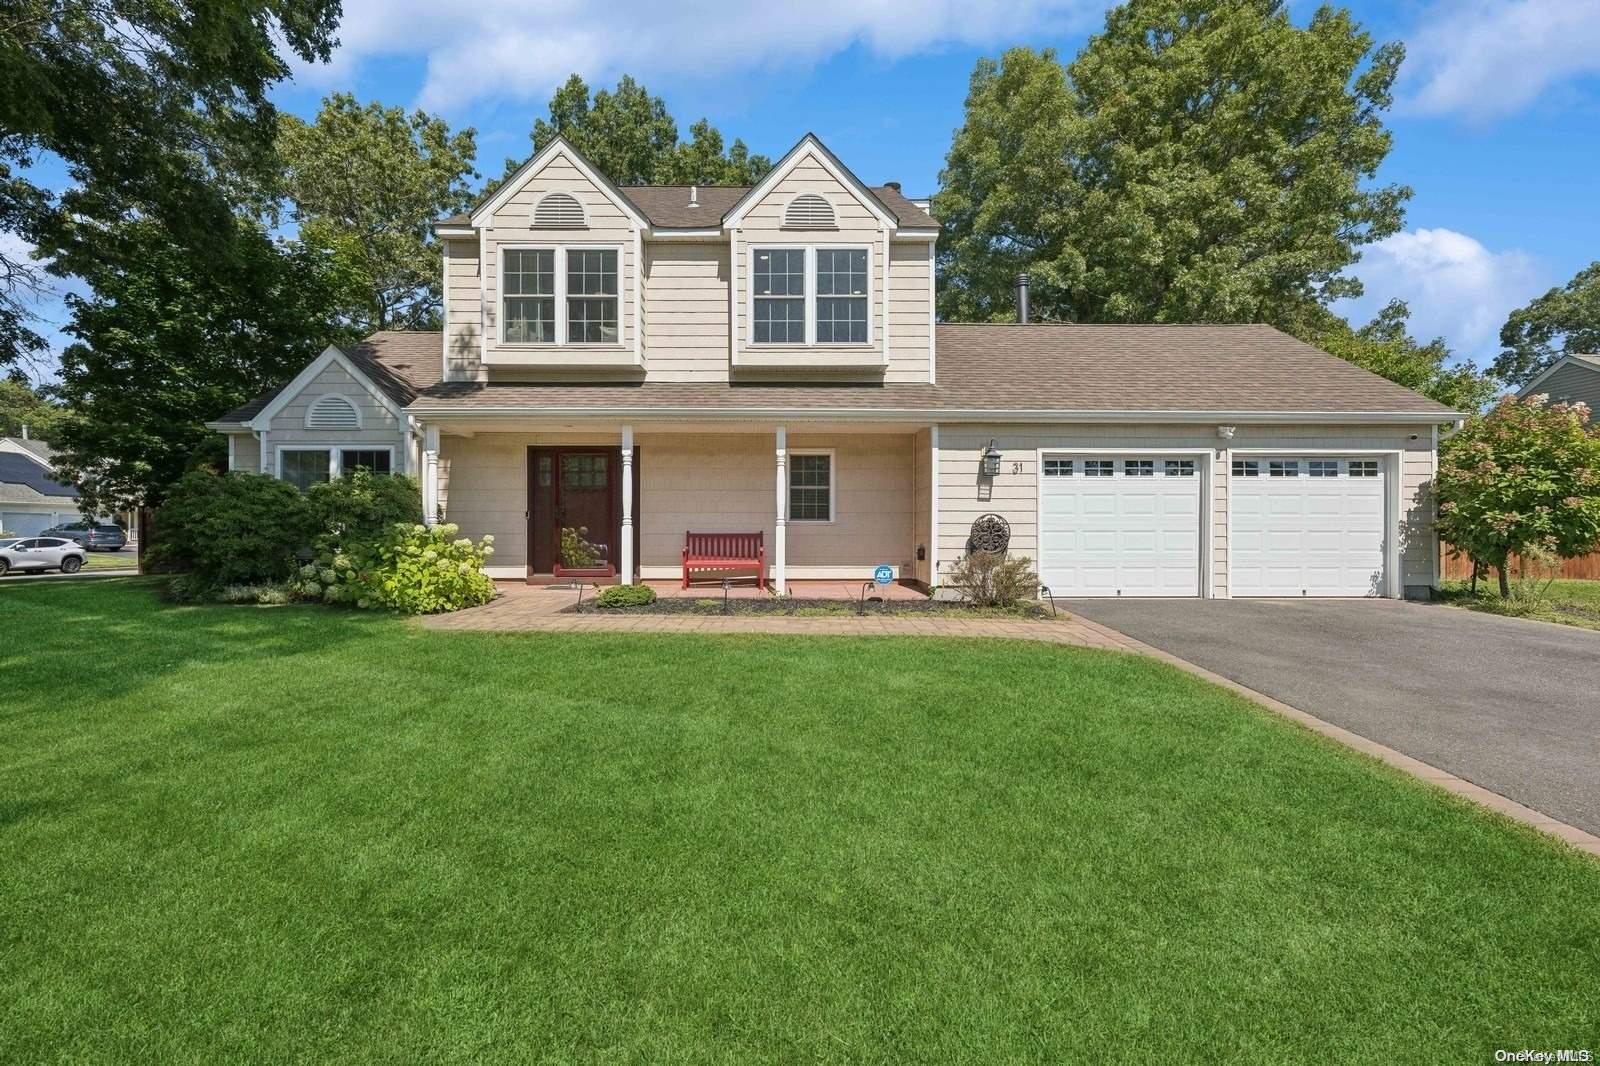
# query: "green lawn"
{"points": [[127, 559], [1573, 603], [264, 834]]}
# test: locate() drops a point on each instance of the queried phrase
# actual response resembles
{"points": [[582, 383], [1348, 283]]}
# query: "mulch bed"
{"points": [[802, 608]]}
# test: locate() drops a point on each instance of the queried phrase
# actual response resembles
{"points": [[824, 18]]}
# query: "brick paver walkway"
{"points": [[525, 609]]}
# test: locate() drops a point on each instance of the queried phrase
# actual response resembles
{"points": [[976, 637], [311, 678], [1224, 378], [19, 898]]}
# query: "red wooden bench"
{"points": [[723, 553]]}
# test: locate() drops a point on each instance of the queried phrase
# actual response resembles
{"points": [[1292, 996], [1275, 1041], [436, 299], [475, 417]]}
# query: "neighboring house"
{"points": [[1570, 379], [31, 500], [645, 361]]}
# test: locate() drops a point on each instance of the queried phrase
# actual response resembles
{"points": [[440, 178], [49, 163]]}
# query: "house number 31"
{"points": [[1016, 468]]}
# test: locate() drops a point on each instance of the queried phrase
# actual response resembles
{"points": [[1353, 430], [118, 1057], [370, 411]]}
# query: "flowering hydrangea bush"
{"points": [[412, 569], [1523, 479]]}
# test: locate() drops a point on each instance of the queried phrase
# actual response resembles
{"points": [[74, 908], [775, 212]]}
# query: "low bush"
{"points": [[615, 596], [360, 507], [269, 595], [412, 569], [994, 579]]}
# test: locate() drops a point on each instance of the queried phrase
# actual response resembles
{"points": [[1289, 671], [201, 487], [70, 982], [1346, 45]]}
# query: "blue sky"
{"points": [[1496, 125]]}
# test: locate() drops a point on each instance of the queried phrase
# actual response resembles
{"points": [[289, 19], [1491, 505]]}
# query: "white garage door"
{"points": [[1306, 527], [1113, 526], [26, 523]]}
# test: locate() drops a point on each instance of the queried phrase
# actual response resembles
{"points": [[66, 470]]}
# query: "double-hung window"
{"points": [[560, 296], [815, 295], [303, 466], [811, 487]]}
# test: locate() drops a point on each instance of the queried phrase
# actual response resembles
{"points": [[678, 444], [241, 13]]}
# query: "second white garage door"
{"points": [[1115, 526], [1306, 527]]}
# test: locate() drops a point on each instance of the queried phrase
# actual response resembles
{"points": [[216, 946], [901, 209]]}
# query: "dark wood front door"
{"points": [[576, 492]]}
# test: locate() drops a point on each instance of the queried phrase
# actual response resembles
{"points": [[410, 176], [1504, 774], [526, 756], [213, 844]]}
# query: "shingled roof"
{"points": [[667, 206], [401, 363]]}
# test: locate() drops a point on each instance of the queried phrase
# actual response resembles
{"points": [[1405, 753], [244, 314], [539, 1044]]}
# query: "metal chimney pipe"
{"points": [[1022, 298]]}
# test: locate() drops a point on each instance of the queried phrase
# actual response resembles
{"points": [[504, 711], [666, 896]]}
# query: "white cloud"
{"points": [[515, 49], [1486, 59], [1456, 288]]}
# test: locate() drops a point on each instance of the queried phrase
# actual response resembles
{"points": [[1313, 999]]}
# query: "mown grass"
{"points": [[264, 834], [1570, 602]]}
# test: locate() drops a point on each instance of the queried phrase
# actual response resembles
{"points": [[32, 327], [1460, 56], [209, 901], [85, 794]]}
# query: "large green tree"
{"points": [[364, 182], [146, 104], [1385, 347], [1198, 161], [161, 348], [632, 138], [1562, 322], [24, 406]]}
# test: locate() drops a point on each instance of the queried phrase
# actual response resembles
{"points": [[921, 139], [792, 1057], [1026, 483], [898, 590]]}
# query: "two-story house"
{"points": [[640, 362]]}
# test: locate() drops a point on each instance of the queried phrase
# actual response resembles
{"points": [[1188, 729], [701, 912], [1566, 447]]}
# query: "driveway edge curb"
{"points": [[1571, 834]]}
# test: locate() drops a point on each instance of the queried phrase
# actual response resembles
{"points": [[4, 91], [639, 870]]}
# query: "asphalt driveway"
{"points": [[1508, 704]]}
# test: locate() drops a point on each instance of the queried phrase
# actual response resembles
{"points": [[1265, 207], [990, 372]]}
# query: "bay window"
{"points": [[810, 296]]}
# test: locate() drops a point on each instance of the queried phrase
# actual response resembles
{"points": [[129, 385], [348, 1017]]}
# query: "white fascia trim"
{"points": [[916, 235], [454, 231], [922, 414], [330, 356], [484, 215], [666, 233], [1532, 387], [808, 148], [226, 427]]}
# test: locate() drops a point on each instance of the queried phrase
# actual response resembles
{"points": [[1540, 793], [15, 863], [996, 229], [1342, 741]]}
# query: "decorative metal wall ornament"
{"points": [[990, 533]]}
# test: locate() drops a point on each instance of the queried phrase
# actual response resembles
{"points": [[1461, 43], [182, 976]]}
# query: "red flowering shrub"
{"points": [[1523, 478]]}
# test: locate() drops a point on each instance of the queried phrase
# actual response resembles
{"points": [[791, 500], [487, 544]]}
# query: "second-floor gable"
{"points": [[810, 274]]}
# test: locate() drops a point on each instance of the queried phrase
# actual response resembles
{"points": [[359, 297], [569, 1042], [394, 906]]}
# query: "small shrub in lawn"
{"points": [[625, 596], [994, 579], [412, 569]]}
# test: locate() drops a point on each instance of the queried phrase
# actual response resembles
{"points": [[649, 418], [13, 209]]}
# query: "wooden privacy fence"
{"points": [[1459, 567]]}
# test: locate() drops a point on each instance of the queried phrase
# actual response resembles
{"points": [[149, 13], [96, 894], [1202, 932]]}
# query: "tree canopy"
{"points": [[630, 136], [1196, 162], [146, 104], [1523, 478], [1564, 321], [364, 183], [1386, 347], [22, 405], [161, 348]]}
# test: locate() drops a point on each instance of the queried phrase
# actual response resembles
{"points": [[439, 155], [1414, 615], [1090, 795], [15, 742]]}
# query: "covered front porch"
{"points": [[602, 502]]}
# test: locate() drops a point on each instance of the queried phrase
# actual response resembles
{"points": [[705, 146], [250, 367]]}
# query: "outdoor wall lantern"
{"points": [[989, 466]]}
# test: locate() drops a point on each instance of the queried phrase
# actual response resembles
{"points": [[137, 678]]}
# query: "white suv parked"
{"points": [[24, 554]]}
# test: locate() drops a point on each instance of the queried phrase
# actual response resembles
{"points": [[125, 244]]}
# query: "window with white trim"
{"points": [[1058, 468], [1283, 468], [779, 285], [528, 282], [1139, 468], [1179, 468], [1363, 468], [560, 295], [1098, 468], [812, 295], [372, 460], [1246, 468], [1322, 468], [304, 467], [810, 487]]}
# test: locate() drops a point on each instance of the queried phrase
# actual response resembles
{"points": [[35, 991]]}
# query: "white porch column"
{"points": [[627, 505], [933, 505], [779, 578], [265, 465], [430, 475]]}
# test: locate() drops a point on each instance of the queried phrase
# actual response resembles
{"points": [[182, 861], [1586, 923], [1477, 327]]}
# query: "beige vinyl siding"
{"points": [[463, 326], [608, 225], [922, 501], [763, 226], [246, 452], [910, 321], [963, 496], [1573, 384], [686, 310]]}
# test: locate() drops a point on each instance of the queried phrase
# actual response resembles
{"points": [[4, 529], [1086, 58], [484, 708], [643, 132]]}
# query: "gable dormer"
{"points": [[557, 270]]}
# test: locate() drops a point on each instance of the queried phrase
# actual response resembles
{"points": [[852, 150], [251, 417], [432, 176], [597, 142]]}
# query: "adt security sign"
{"points": [[883, 575]]}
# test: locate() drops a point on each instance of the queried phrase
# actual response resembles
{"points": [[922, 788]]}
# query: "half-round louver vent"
{"points": [[809, 211], [559, 210], [333, 412]]}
